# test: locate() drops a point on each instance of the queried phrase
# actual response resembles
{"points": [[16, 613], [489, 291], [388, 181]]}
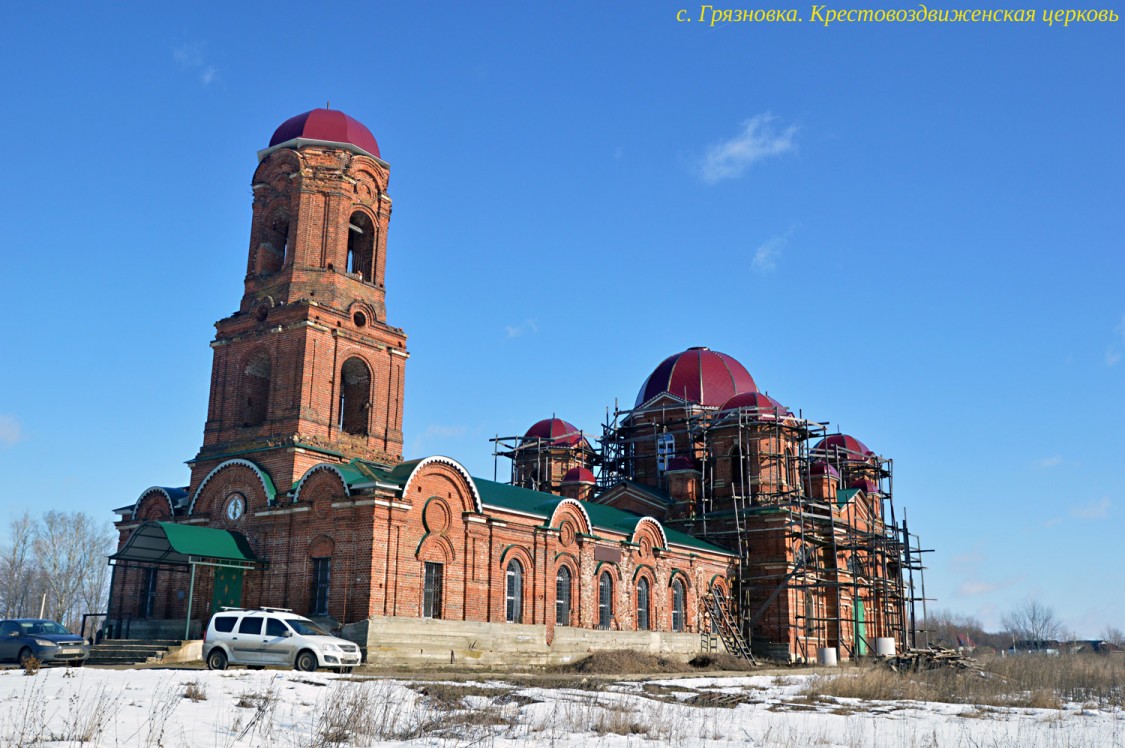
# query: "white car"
{"points": [[274, 636]]}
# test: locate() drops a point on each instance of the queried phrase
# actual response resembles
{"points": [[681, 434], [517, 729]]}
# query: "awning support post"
{"points": [[190, 592]]}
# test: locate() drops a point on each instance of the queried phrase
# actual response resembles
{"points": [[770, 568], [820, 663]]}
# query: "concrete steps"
{"points": [[131, 651]]}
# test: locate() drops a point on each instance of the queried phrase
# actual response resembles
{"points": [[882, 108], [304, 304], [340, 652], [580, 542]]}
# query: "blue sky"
{"points": [[912, 231]]}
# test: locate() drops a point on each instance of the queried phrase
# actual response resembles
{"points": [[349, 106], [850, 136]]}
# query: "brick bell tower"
{"points": [[308, 370]]}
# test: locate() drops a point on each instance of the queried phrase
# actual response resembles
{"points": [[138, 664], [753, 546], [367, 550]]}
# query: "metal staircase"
{"points": [[720, 622]]}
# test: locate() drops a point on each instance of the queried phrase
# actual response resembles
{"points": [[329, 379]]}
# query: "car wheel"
{"points": [[217, 660], [306, 661], [25, 655]]}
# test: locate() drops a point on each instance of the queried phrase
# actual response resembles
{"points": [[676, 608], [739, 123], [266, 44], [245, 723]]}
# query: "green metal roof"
{"points": [[844, 495], [179, 545], [536, 503]]}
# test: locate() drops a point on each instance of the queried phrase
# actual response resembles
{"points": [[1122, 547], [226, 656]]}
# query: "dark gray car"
{"points": [[47, 641]]}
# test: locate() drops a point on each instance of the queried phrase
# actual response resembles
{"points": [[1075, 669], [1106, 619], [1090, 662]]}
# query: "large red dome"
{"points": [[329, 125], [699, 375]]}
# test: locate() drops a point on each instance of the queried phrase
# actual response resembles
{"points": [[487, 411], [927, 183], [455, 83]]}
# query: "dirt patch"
{"points": [[621, 662]]}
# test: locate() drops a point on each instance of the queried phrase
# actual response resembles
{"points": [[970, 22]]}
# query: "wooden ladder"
{"points": [[715, 603]]}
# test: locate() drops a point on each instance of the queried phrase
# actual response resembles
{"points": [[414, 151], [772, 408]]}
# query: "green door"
{"points": [[860, 629], [228, 589]]}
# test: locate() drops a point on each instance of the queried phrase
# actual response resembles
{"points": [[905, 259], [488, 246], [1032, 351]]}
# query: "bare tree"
{"points": [[1114, 636], [1033, 622], [71, 549], [21, 582]]}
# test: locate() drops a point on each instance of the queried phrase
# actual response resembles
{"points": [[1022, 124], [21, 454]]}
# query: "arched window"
{"points": [[562, 597], [642, 605], [605, 600], [355, 397], [256, 390], [665, 450], [677, 605], [361, 246], [513, 609], [273, 245]]}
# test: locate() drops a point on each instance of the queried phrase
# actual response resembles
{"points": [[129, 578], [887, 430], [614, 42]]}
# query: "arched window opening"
{"points": [[562, 597], [256, 390], [361, 246], [605, 600], [677, 605], [513, 598], [273, 247], [665, 450], [642, 605], [744, 469], [355, 397]]}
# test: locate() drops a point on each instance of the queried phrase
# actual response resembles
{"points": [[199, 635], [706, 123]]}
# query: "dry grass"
{"points": [[1035, 681], [195, 691], [31, 665], [621, 662]]}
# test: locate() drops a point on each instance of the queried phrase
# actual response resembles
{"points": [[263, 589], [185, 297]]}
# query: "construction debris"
{"points": [[931, 658]]}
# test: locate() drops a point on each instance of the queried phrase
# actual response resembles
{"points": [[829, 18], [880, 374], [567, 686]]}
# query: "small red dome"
{"points": [[578, 475], [865, 484], [326, 124], [681, 463], [820, 467], [845, 446], [698, 375], [559, 432], [764, 406]]}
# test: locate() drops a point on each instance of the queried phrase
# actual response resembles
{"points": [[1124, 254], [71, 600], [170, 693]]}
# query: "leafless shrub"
{"points": [[351, 712], [88, 714], [195, 691], [264, 703], [26, 723], [31, 665]]}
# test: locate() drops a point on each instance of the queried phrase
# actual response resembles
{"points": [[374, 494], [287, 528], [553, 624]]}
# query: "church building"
{"points": [[708, 512]]}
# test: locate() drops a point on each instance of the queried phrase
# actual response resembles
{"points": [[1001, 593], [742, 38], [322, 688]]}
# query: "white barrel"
{"points": [[826, 656], [884, 646]]}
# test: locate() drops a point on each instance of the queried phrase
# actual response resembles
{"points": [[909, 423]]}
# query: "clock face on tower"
{"points": [[236, 505]]}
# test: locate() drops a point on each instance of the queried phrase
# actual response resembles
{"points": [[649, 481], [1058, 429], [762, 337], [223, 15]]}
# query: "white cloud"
{"points": [[1093, 510], [10, 430], [767, 253], [759, 139], [1049, 462], [527, 327], [193, 57]]}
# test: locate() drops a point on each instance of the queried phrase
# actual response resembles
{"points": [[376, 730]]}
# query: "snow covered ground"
{"points": [[154, 707]]}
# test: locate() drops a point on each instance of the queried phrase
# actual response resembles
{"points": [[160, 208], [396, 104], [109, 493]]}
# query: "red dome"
{"points": [[699, 375], [865, 484], [820, 467], [578, 475], [764, 405], [558, 431], [326, 124], [682, 463], [846, 446]]}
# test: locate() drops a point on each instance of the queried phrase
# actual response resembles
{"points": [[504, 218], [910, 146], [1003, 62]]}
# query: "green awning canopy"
{"points": [[183, 545]]}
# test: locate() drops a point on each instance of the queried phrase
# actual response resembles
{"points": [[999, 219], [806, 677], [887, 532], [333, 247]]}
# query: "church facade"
{"points": [[300, 498], [706, 511]]}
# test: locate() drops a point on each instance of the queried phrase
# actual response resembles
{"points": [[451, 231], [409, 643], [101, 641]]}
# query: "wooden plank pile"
{"points": [[930, 658]]}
